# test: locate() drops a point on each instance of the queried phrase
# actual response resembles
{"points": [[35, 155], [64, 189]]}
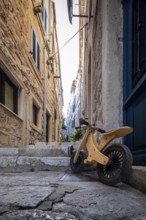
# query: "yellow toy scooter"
{"points": [[113, 163]]}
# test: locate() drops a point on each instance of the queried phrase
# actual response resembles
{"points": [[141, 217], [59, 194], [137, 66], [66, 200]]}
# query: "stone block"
{"points": [[8, 152], [24, 196], [8, 161], [4, 139], [42, 163]]}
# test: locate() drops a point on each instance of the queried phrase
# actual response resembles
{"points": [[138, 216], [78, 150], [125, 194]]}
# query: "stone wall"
{"points": [[11, 128], [17, 17]]}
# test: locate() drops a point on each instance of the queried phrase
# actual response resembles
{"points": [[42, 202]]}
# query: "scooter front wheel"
{"points": [[77, 167], [119, 166]]}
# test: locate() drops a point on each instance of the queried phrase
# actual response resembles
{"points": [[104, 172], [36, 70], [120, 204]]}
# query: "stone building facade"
{"points": [[113, 60], [30, 77], [75, 105], [101, 59]]}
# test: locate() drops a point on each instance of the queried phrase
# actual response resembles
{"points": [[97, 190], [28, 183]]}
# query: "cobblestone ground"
{"points": [[65, 196]]}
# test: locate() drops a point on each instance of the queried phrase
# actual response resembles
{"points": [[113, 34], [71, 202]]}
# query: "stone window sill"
{"points": [[36, 128], [11, 112]]}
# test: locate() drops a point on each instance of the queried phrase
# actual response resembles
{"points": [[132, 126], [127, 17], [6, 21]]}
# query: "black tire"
{"points": [[119, 166], [77, 167], [70, 150]]}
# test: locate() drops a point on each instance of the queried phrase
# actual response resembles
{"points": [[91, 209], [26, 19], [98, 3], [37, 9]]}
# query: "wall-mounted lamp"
{"points": [[70, 11], [50, 61]]}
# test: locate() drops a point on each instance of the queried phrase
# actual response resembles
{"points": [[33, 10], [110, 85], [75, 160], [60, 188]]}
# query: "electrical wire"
{"points": [[68, 41]]}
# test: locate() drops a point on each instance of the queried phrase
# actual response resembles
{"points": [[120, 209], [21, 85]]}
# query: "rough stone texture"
{"points": [[9, 151], [17, 17], [46, 206], [41, 163], [43, 151], [67, 199], [36, 151], [97, 201], [138, 178], [25, 195], [38, 215], [20, 163], [11, 128], [97, 106], [34, 158], [8, 162]]}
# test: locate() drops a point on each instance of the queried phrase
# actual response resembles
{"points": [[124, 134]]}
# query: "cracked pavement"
{"points": [[60, 195]]}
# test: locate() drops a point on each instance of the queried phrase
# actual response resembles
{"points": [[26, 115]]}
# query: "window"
{"points": [[35, 114], [138, 39], [74, 105], [73, 123], [8, 92], [35, 50], [44, 15]]}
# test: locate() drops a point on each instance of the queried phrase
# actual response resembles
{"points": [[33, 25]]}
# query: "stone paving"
{"points": [[61, 195]]}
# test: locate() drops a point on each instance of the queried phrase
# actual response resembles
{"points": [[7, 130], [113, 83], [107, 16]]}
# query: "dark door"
{"points": [[135, 76], [47, 127]]}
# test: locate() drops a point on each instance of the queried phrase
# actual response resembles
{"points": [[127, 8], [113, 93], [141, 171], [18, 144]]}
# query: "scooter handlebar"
{"points": [[101, 130]]}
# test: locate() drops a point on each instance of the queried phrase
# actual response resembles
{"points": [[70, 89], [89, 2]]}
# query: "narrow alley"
{"points": [[59, 112]]}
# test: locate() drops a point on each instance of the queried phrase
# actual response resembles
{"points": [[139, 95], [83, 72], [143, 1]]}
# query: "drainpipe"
{"points": [[80, 93], [45, 89]]}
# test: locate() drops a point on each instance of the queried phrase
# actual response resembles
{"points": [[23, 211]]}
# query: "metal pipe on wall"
{"points": [[45, 89]]}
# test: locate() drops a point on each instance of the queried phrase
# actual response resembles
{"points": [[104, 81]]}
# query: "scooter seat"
{"points": [[119, 132]]}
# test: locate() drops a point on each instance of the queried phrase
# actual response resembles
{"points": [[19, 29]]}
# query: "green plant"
{"points": [[76, 136]]}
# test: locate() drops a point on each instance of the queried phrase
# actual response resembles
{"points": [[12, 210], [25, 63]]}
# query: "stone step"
{"points": [[35, 157], [25, 163], [36, 151]]}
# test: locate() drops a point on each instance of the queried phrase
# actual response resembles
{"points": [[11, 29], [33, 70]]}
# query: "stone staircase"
{"points": [[52, 156]]}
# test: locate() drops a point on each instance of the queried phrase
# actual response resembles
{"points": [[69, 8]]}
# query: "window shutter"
{"points": [[9, 96], [42, 2], [138, 40], [45, 20], [38, 56], [34, 46]]}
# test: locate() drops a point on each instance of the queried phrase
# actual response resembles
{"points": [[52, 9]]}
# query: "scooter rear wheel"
{"points": [[77, 167], [119, 166]]}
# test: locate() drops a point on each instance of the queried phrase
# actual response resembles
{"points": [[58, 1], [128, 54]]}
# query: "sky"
{"points": [[69, 55]]}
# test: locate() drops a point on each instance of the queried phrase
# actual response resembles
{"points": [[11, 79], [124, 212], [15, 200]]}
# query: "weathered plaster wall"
{"points": [[103, 105], [111, 63], [97, 106]]}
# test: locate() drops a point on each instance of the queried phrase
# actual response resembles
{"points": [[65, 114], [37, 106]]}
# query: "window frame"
{"points": [[4, 78], [35, 49], [138, 45], [44, 16], [35, 111]]}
